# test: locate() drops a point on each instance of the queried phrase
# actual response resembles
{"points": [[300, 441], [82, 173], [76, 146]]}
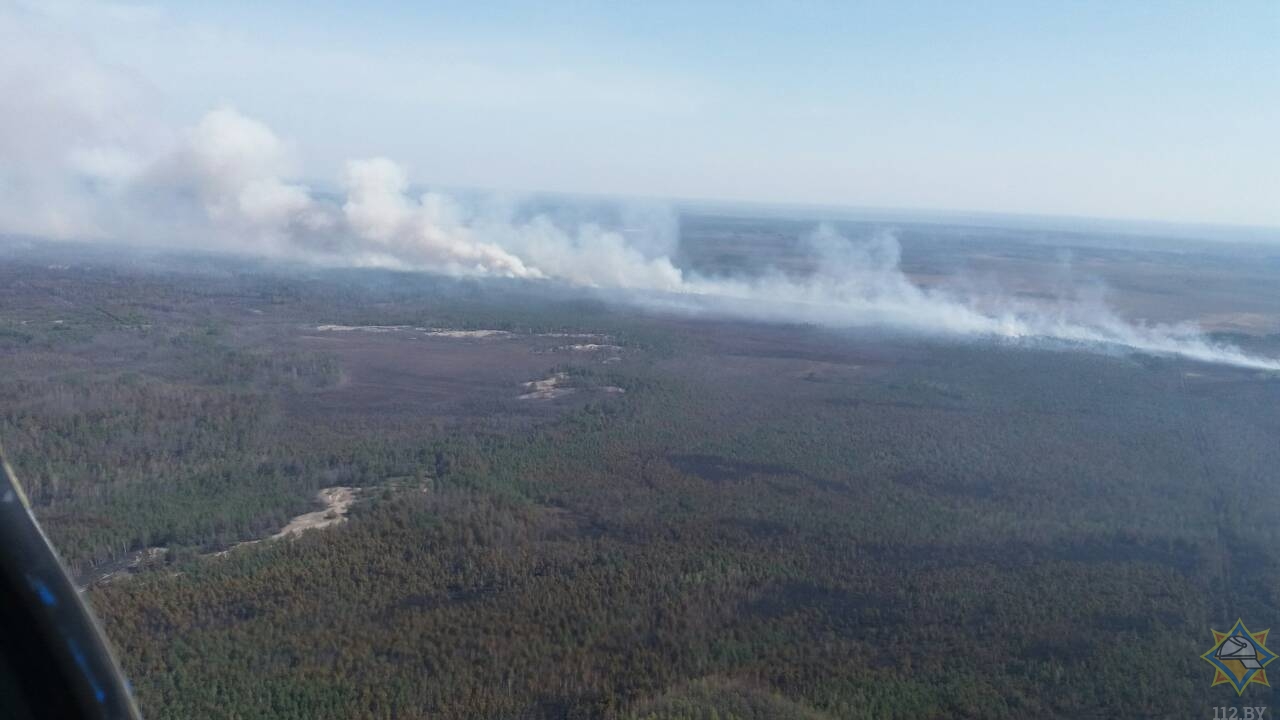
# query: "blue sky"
{"points": [[1157, 110]]}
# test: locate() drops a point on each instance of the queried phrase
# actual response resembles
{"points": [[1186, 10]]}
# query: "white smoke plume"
{"points": [[85, 157], [862, 284], [429, 232]]}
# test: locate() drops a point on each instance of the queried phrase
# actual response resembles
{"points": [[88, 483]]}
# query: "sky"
{"points": [[1137, 110]]}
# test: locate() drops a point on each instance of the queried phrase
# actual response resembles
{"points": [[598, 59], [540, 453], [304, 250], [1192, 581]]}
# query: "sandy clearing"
{"points": [[362, 328], [550, 388], [337, 501], [584, 336], [431, 332], [547, 388], [590, 347], [445, 332]]}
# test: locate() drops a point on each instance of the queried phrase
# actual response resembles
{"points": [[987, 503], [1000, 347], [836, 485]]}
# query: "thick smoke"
{"points": [[85, 157], [429, 232]]}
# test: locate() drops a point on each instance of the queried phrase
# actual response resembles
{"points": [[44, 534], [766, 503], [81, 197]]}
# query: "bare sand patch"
{"points": [[584, 336], [430, 332], [337, 501], [445, 332], [547, 388], [362, 328], [590, 347]]}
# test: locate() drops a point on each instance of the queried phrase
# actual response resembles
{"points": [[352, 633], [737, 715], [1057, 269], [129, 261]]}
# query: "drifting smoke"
{"points": [[84, 159], [862, 284]]}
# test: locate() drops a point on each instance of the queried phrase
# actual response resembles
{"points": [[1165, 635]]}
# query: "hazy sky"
{"points": [[1157, 110]]}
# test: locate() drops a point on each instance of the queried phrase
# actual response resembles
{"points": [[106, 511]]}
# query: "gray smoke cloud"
{"points": [[84, 156]]}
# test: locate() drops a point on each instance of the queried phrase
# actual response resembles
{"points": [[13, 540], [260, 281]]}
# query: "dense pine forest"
{"points": [[707, 519]]}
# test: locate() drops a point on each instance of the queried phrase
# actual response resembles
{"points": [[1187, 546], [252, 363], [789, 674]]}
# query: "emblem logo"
{"points": [[1239, 657]]}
